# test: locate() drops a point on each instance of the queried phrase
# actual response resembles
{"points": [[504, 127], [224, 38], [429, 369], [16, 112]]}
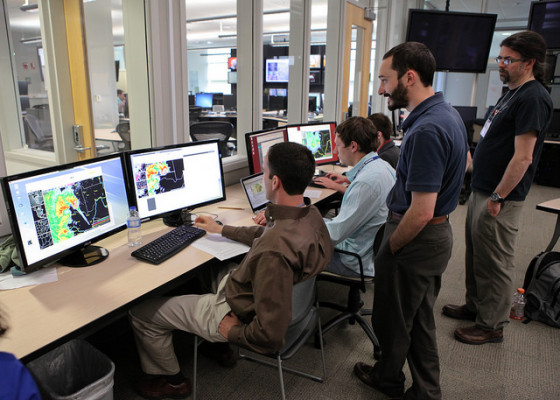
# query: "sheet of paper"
{"points": [[220, 247], [312, 194], [45, 275]]}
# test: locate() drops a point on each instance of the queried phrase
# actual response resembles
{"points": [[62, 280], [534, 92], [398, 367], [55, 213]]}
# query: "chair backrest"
{"points": [[304, 314], [378, 239], [33, 124], [123, 129], [207, 130], [211, 130], [303, 298]]}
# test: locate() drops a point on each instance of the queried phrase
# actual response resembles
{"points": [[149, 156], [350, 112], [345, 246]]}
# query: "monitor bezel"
{"points": [[454, 14], [248, 137], [5, 181], [551, 44], [133, 200], [335, 159]]}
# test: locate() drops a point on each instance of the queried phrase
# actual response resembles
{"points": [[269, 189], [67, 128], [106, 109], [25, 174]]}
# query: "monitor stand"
{"points": [[178, 218], [85, 257]]}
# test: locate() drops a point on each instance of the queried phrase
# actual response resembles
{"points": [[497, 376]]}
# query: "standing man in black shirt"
{"points": [[504, 164]]}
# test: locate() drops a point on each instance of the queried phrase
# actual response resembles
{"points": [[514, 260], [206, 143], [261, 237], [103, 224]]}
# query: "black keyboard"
{"points": [[160, 249]]}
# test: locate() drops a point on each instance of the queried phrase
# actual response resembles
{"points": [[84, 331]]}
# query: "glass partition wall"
{"points": [[33, 114]]}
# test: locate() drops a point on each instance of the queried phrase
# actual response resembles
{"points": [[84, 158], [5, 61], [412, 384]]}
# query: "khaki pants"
{"points": [[490, 244], [154, 321]]}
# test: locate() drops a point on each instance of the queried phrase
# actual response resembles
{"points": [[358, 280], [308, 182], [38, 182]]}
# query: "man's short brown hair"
{"points": [[360, 130]]}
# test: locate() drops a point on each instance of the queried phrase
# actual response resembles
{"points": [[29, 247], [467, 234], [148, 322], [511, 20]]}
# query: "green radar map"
{"points": [[64, 212], [319, 142], [159, 177]]}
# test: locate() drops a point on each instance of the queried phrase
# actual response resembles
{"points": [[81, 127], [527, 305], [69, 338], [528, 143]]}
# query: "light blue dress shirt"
{"points": [[363, 211]]}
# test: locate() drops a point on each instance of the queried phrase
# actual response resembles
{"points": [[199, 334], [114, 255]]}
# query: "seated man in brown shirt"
{"points": [[253, 304]]}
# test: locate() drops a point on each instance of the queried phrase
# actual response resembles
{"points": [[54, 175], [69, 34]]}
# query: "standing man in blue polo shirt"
{"points": [[418, 239]]}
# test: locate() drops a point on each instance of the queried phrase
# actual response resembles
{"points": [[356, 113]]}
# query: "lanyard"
{"points": [[364, 164]]}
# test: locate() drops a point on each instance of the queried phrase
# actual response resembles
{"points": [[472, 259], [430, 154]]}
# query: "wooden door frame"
{"points": [[355, 17]]}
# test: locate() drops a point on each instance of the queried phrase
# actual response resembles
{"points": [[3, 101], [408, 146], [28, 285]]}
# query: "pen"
{"points": [[230, 208]]}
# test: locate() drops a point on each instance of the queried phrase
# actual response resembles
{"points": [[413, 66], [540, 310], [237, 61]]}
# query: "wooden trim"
{"points": [[79, 74], [355, 17]]}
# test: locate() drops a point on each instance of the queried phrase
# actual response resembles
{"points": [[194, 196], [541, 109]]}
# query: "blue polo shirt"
{"points": [[433, 156]]}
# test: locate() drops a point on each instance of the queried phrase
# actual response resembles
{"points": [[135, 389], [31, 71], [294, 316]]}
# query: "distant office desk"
{"points": [[552, 206], [84, 300]]}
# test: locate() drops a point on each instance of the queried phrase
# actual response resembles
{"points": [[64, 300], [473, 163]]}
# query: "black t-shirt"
{"points": [[519, 111]]}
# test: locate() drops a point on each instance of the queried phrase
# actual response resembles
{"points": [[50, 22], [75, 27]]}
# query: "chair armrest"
{"points": [[350, 253]]}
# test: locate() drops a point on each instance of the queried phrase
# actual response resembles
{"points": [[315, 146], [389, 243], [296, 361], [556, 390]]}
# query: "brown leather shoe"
{"points": [[475, 335], [364, 373], [458, 312], [160, 388]]}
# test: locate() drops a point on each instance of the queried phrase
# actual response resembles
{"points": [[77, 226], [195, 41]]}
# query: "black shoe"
{"points": [[458, 312], [159, 388], [219, 352], [365, 373]]}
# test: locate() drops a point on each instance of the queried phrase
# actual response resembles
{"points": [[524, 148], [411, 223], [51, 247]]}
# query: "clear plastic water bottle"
{"points": [[134, 229], [518, 305]]}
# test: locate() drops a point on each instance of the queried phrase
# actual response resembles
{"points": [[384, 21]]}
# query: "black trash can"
{"points": [[75, 371]]}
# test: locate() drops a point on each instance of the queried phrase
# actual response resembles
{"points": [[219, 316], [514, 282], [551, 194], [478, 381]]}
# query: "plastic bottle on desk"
{"points": [[518, 305], [134, 230]]}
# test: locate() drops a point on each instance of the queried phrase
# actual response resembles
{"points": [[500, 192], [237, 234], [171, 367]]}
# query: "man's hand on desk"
{"points": [[260, 219], [227, 322], [208, 224], [333, 181]]}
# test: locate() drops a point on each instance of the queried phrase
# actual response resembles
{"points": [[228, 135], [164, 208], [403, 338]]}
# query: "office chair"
{"points": [[214, 130], [123, 129], [305, 321], [35, 135], [353, 310]]}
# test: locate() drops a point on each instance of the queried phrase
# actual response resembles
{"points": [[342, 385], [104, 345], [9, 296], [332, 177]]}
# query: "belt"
{"points": [[393, 216]]}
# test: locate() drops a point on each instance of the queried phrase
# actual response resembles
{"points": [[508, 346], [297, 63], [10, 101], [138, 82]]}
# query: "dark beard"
{"points": [[399, 97]]}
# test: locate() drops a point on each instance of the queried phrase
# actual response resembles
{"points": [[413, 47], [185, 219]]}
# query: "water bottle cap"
{"points": [[521, 290], [132, 208]]}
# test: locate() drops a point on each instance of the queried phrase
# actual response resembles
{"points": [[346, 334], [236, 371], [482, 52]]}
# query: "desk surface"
{"points": [[552, 206], [107, 134], [44, 316]]}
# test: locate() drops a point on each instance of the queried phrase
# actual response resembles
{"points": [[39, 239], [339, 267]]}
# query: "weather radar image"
{"points": [[319, 142], [159, 177], [63, 212]]}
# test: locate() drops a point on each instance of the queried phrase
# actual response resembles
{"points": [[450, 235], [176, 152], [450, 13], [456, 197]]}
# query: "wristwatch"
{"points": [[495, 197]]}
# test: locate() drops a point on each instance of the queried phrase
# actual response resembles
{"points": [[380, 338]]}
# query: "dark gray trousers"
{"points": [[406, 287]]}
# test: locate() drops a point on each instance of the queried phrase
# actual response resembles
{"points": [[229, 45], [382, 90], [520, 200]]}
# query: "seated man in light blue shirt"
{"points": [[363, 209]]}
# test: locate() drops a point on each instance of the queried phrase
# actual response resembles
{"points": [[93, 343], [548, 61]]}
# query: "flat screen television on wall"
{"points": [[460, 42], [544, 18]]}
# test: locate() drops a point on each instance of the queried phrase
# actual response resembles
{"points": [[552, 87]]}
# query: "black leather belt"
{"points": [[393, 216]]}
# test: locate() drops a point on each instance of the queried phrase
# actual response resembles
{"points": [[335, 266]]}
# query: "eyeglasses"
{"points": [[507, 60]]}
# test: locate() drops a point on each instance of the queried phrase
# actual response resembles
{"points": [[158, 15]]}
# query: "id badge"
{"points": [[485, 128]]}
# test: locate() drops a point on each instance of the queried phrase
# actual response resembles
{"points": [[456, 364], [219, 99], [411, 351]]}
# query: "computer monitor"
{"points": [[319, 138], [167, 180], [467, 113], [277, 70], [203, 100], [258, 144], [276, 103], [57, 212], [312, 107], [230, 102], [317, 99]]}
